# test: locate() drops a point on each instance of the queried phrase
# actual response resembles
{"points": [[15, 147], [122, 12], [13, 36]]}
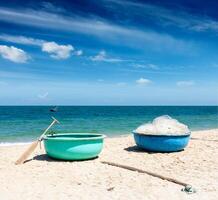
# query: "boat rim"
{"points": [[162, 135], [94, 137]]}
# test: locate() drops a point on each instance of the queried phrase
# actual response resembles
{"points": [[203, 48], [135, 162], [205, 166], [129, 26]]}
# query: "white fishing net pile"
{"points": [[163, 125]]}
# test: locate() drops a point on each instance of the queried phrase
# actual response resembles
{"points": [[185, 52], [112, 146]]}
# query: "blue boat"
{"points": [[161, 143]]}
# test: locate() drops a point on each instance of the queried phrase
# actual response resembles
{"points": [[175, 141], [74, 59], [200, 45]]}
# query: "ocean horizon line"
{"points": [[60, 105]]}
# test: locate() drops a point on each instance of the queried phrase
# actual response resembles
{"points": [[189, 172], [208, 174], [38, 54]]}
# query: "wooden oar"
{"points": [[32, 147]]}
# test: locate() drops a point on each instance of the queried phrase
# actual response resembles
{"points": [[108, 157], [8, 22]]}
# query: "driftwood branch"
{"points": [[146, 172]]}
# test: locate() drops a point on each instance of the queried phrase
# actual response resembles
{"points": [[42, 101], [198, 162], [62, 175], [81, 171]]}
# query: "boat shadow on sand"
{"points": [[137, 149], [45, 157]]}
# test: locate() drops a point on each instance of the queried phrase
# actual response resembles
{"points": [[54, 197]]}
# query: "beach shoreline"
{"points": [[44, 178], [9, 144]]}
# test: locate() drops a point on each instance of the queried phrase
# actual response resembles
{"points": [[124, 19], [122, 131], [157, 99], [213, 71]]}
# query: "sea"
{"points": [[21, 124]]}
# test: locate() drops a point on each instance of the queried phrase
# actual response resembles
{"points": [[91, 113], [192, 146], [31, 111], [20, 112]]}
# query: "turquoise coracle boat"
{"points": [[73, 146]]}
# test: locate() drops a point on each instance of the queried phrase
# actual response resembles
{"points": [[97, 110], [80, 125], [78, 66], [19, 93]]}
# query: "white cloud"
{"points": [[146, 66], [102, 56], [43, 96], [99, 57], [78, 52], [108, 32], [21, 40], [13, 54], [57, 51], [152, 66], [169, 17], [143, 81], [51, 7], [185, 83]]}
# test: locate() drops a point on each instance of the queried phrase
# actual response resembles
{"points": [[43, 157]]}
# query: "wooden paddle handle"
{"points": [[26, 154], [34, 144]]}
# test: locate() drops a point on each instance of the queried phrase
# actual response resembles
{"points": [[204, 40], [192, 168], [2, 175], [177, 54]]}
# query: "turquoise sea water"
{"points": [[25, 123]]}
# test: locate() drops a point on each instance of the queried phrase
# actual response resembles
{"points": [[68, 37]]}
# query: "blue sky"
{"points": [[108, 52]]}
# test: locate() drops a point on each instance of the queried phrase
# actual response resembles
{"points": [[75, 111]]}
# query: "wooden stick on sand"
{"points": [[188, 187]]}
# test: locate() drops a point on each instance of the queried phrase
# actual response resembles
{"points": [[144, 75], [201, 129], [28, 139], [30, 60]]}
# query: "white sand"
{"points": [[44, 178]]}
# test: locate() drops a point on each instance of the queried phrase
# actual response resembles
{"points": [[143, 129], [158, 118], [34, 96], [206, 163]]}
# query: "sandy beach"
{"points": [[44, 178]]}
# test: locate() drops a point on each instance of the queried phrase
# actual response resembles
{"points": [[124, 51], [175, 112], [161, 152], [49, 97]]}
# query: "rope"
{"points": [[187, 187]]}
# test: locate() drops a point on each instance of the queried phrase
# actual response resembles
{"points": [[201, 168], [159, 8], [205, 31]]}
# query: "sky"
{"points": [[108, 52]]}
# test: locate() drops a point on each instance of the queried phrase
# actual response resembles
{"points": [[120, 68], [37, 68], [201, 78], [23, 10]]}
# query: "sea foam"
{"points": [[163, 125], [6, 144]]}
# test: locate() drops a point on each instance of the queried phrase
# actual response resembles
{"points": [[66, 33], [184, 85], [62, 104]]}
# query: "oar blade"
{"points": [[27, 153]]}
